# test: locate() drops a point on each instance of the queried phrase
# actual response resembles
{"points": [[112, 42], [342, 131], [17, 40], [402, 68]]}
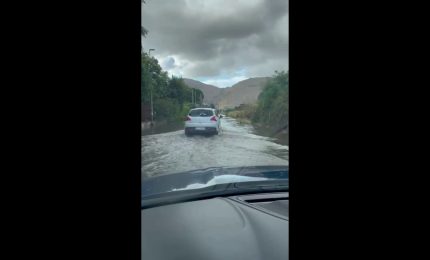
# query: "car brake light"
{"points": [[213, 118]]}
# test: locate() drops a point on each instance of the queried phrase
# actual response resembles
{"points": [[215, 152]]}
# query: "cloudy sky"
{"points": [[218, 42]]}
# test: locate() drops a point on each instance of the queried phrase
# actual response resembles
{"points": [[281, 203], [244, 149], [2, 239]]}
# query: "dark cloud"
{"points": [[209, 38]]}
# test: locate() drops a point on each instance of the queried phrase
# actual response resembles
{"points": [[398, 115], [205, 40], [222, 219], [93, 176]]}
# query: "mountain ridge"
{"points": [[243, 92]]}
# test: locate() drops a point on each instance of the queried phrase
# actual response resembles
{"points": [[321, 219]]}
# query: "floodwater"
{"points": [[237, 145]]}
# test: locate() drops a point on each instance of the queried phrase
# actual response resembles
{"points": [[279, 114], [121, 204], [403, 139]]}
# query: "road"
{"points": [[236, 145]]}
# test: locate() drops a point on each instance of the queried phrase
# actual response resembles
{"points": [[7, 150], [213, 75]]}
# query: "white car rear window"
{"points": [[201, 113]]}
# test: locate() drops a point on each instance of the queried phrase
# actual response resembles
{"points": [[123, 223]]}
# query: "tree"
{"points": [[171, 96], [273, 104], [198, 96], [143, 31], [179, 90], [152, 77]]}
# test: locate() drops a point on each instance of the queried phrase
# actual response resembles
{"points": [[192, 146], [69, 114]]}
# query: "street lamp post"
{"points": [[150, 82]]}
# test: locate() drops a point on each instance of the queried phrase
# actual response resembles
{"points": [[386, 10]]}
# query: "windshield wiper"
{"points": [[217, 190], [267, 184]]}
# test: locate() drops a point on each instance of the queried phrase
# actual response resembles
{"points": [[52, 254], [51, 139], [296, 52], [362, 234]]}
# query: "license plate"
{"points": [[200, 128]]}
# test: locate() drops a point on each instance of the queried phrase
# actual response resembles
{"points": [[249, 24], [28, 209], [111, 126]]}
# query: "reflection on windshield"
{"points": [[223, 179], [194, 180]]}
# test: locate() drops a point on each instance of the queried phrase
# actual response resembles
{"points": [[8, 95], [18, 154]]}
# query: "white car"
{"points": [[202, 120]]}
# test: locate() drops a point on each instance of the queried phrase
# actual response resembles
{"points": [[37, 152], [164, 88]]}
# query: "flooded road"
{"points": [[236, 145]]}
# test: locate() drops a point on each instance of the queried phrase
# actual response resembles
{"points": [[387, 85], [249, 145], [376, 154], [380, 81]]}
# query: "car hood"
{"points": [[211, 176]]}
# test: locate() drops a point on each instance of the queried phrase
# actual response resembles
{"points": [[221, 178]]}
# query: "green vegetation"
{"points": [[171, 97], [243, 113], [271, 110]]}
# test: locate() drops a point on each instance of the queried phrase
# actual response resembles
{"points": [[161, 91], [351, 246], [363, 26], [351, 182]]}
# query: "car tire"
{"points": [[187, 133]]}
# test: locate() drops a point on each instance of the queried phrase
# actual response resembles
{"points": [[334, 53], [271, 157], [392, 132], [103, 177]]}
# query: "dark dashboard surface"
{"points": [[240, 227]]}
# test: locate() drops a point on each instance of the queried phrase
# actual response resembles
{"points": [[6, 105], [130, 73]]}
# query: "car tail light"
{"points": [[213, 118], [188, 118]]}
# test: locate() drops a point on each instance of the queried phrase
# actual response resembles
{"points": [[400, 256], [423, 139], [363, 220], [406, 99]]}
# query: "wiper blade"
{"points": [[263, 184], [217, 190]]}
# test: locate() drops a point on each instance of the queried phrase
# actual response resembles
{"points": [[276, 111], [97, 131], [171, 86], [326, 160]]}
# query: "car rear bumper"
{"points": [[200, 129], [205, 124]]}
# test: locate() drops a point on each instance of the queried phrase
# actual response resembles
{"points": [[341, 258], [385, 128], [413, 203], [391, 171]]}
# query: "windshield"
{"points": [[214, 94], [201, 112]]}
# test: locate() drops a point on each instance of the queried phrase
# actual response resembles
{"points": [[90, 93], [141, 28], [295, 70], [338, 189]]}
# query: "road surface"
{"points": [[236, 145]]}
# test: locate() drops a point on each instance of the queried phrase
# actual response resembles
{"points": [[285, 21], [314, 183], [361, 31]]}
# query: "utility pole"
{"points": [[150, 85]]}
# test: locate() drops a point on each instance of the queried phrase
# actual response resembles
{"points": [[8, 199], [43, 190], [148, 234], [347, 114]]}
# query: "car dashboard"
{"points": [[252, 226]]}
